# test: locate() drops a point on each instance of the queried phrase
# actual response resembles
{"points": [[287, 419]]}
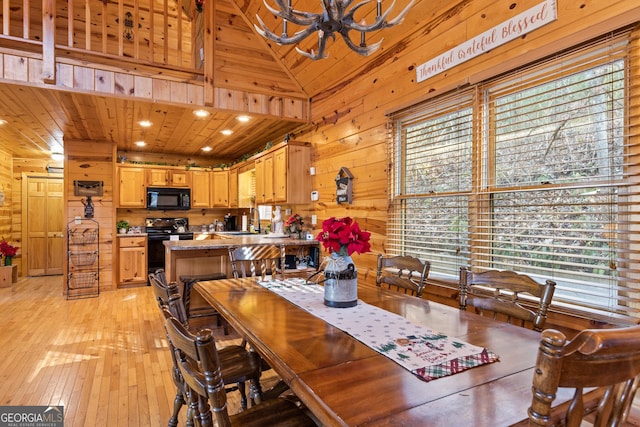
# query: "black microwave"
{"points": [[160, 198]]}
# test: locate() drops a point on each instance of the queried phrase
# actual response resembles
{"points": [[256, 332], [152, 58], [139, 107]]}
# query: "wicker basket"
{"points": [[82, 236], [82, 280], [83, 258]]}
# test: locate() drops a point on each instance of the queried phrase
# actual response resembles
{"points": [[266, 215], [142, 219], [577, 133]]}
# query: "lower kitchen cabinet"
{"points": [[132, 260]]}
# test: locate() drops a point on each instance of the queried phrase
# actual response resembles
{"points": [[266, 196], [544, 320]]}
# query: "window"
{"points": [[530, 172]]}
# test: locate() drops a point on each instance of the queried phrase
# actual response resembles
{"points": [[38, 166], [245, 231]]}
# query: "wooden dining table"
{"points": [[346, 383]]}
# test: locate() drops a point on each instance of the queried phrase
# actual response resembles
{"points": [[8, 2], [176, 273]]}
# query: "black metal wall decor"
{"points": [[88, 207], [344, 184]]}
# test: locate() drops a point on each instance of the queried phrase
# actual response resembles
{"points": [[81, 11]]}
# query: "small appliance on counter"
{"points": [[229, 222]]}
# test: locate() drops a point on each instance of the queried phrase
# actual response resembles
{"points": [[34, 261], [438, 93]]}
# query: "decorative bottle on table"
{"points": [[342, 237]]}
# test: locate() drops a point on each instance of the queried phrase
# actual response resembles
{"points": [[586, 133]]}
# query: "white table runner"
{"points": [[426, 353]]}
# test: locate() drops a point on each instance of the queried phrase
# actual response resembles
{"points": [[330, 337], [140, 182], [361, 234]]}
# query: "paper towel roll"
{"points": [[244, 223]]}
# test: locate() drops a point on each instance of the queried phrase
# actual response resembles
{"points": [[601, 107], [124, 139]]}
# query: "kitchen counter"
{"points": [[231, 240], [201, 257]]}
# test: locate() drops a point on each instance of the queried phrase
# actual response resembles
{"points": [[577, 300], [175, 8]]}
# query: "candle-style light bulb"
{"points": [[379, 8]]}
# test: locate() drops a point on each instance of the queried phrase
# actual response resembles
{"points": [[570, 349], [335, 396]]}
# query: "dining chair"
{"points": [[602, 365], [239, 364], [507, 294], [406, 274], [188, 282], [200, 365], [254, 261]]}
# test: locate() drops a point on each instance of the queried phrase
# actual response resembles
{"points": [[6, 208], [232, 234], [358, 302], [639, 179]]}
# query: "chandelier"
{"points": [[334, 19]]}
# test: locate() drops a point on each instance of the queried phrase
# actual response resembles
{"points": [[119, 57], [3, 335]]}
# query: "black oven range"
{"points": [[159, 230]]}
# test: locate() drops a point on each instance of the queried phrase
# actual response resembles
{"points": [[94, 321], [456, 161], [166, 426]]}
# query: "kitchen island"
{"points": [[201, 257]]}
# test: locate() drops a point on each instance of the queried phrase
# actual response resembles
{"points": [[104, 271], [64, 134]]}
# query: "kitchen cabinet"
{"points": [[233, 188], [131, 187], [132, 260], [220, 188], [161, 177], [264, 179], [282, 174], [200, 189]]}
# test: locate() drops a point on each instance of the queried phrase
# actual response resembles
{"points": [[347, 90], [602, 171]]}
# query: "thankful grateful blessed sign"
{"points": [[517, 26]]}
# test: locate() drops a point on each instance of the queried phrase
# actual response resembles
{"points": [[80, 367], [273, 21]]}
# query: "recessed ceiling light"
{"points": [[226, 132], [145, 123], [243, 119], [140, 143], [3, 122], [57, 156], [201, 113], [206, 148]]}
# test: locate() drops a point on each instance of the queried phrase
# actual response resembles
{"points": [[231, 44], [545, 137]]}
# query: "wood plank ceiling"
{"points": [[39, 120]]}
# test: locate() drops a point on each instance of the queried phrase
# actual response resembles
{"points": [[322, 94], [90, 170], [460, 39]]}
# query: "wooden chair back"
{"points": [[169, 297], [254, 261], [507, 293], [402, 273], [197, 359], [161, 275], [608, 359]]}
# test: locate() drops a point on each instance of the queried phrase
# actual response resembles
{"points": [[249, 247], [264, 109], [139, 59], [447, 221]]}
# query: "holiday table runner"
{"points": [[425, 352]]}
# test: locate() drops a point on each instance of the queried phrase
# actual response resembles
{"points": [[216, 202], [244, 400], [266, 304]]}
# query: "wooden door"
{"points": [[45, 229]]}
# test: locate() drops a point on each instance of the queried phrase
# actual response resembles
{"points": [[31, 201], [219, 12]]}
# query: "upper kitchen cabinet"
{"points": [[220, 188], [282, 174], [233, 188], [131, 187], [264, 179], [168, 177], [246, 185], [200, 189]]}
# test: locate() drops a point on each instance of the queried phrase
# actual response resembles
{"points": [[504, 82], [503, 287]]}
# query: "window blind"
{"points": [[535, 171], [428, 218]]}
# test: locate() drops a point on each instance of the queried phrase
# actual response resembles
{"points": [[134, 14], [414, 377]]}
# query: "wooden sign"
{"points": [[515, 27], [344, 181]]}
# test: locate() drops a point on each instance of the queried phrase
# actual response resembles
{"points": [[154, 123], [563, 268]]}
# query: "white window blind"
{"points": [[429, 213], [534, 172]]}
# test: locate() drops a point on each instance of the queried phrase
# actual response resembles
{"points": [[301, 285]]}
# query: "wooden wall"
{"points": [[94, 161], [6, 186], [349, 126]]}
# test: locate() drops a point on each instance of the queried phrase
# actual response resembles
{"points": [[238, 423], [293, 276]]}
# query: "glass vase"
{"points": [[340, 282], [8, 260]]}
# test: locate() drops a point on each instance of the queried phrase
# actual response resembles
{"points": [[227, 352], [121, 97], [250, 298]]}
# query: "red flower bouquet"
{"points": [[294, 220], [7, 250], [343, 236]]}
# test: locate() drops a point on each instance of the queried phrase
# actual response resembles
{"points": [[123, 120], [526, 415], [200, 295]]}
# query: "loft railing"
{"points": [[161, 33]]}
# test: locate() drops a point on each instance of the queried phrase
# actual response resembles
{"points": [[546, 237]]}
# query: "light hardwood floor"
{"points": [[104, 359]]}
